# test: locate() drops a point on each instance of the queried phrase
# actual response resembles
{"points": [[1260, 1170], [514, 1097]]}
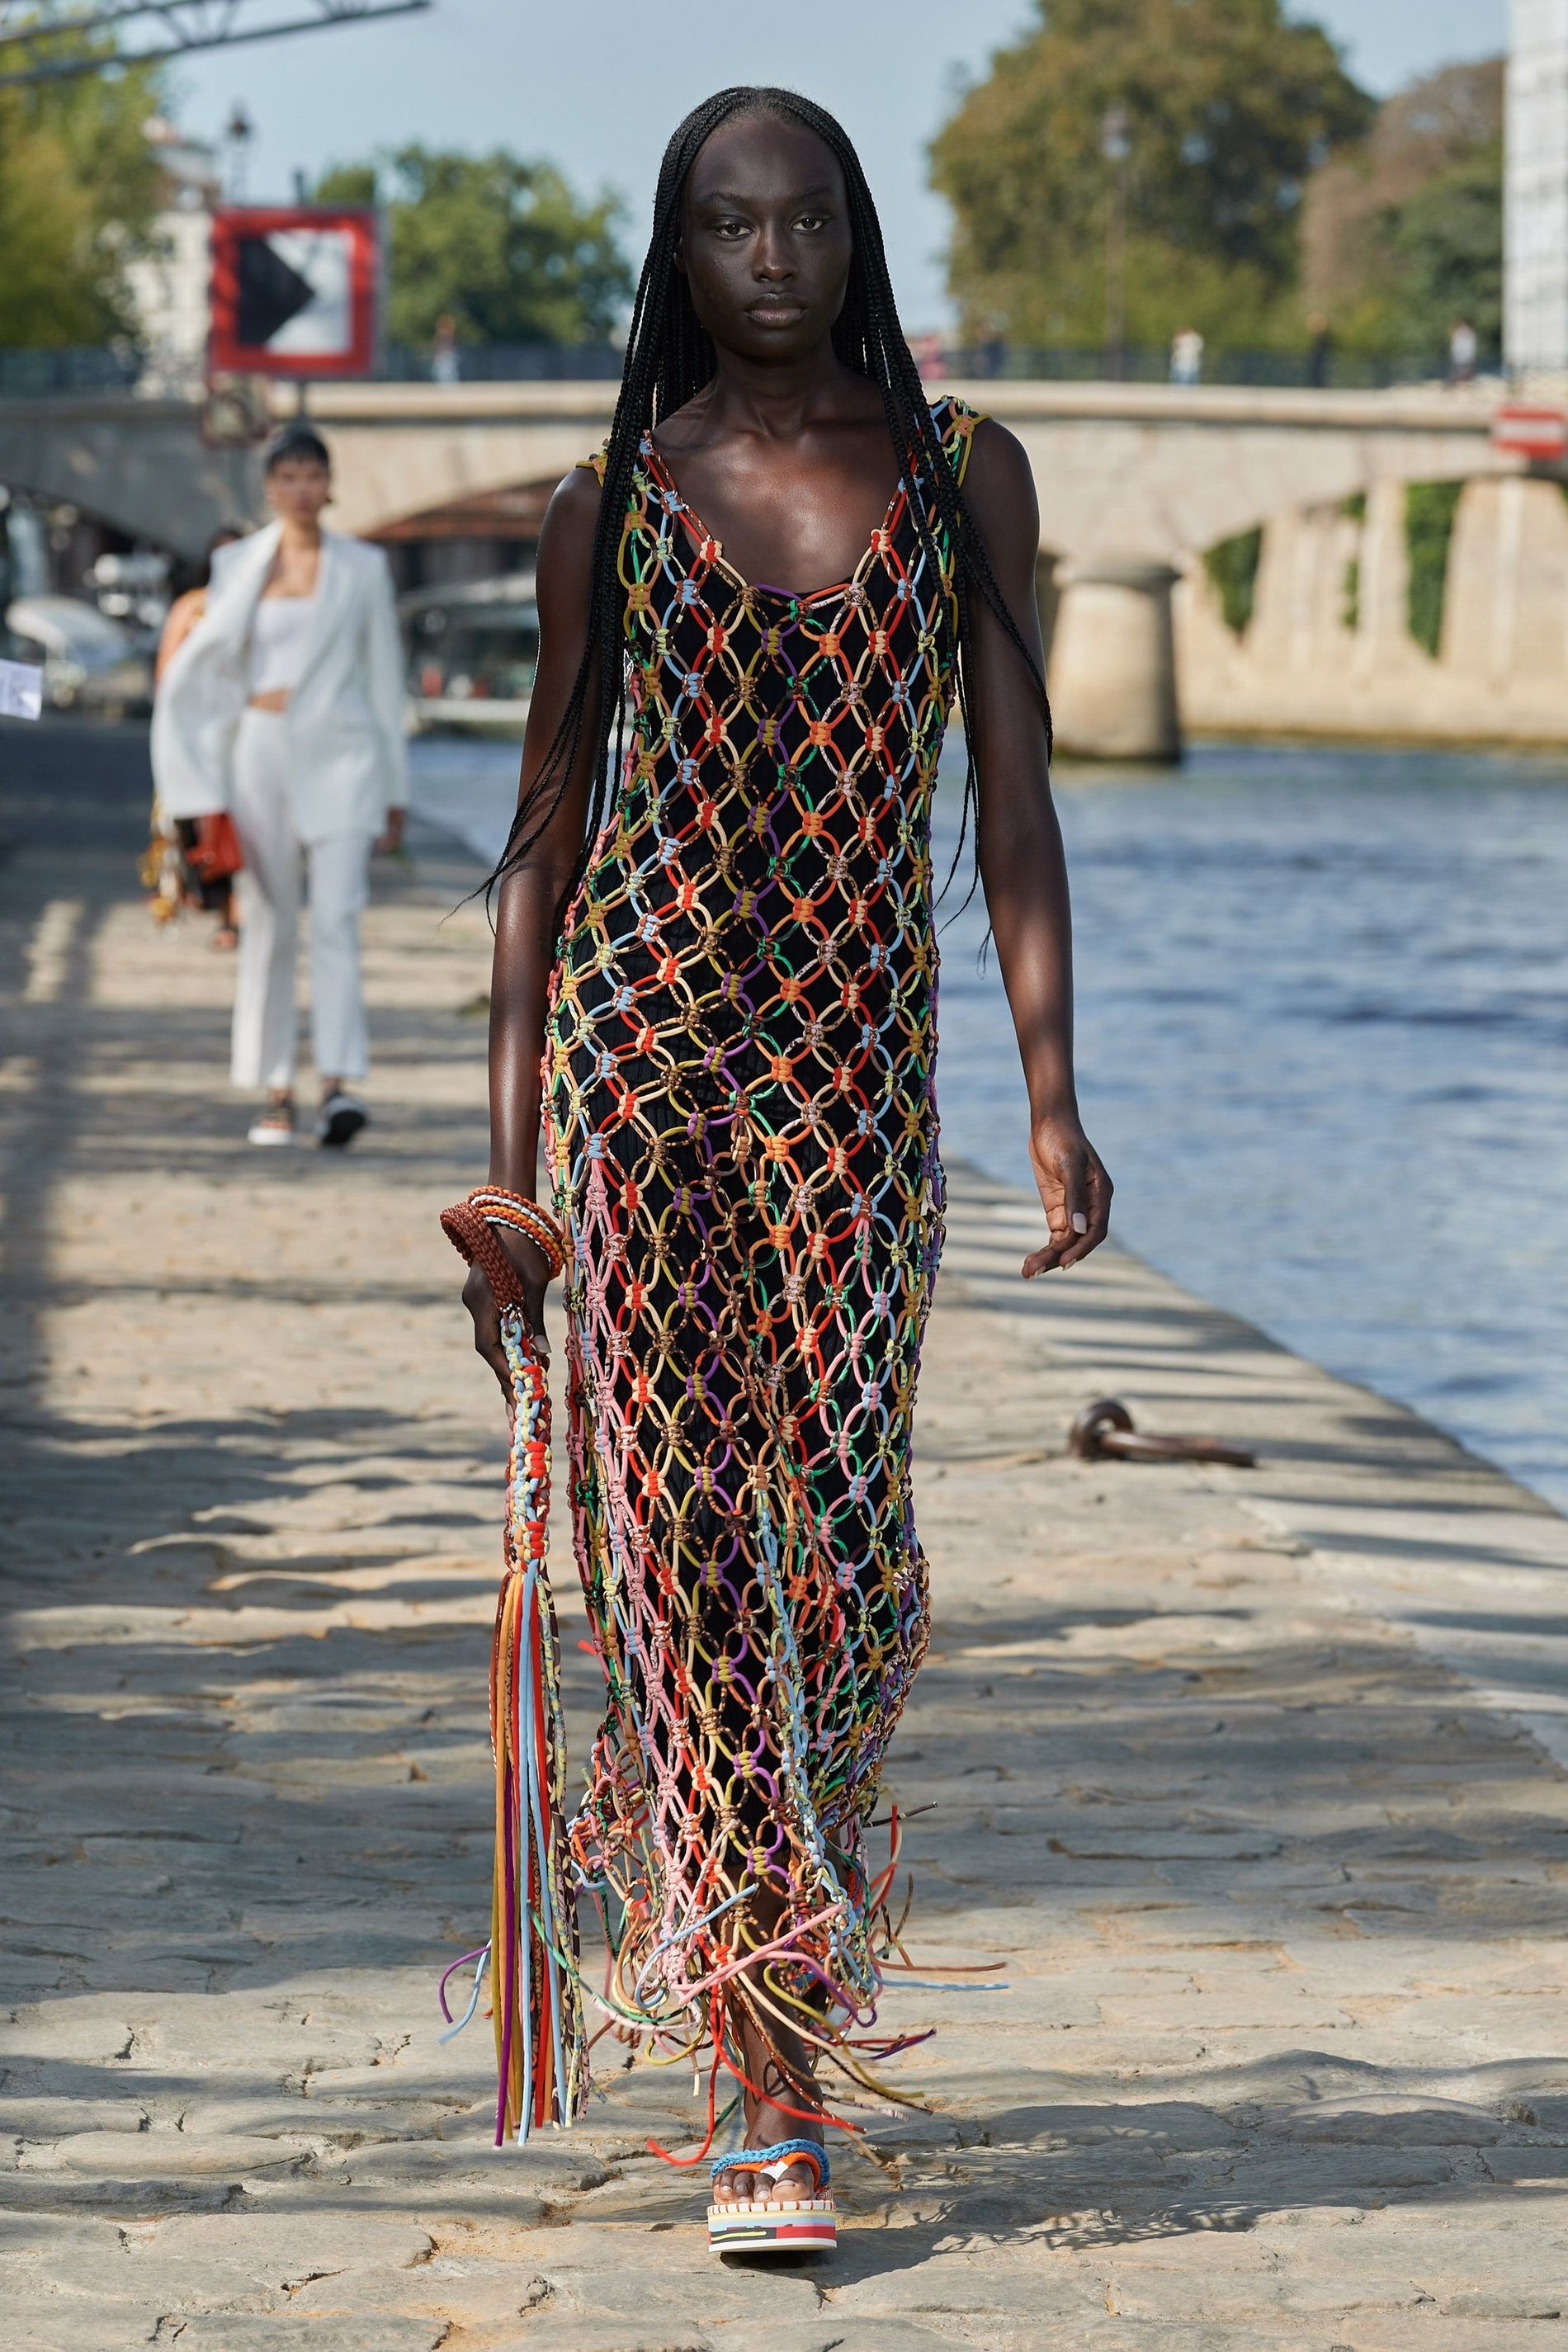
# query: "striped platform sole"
{"points": [[809, 2227]]}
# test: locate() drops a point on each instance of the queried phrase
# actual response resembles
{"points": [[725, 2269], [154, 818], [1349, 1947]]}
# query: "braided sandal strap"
{"points": [[783, 2152]]}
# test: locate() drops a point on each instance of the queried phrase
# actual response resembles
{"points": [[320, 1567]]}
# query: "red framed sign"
{"points": [[1525, 431], [294, 290]]}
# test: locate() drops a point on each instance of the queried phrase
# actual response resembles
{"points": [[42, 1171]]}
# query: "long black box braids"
{"points": [[669, 359]]}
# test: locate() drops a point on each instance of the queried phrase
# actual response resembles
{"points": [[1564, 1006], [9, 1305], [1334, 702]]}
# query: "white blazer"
{"points": [[348, 761]]}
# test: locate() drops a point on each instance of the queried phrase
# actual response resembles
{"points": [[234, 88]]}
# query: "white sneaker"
{"points": [[341, 1117], [272, 1128]]}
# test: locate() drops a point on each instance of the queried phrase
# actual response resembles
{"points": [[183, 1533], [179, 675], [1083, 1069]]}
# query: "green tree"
{"points": [[1403, 233], [1446, 243], [498, 244], [1229, 106], [79, 185]]}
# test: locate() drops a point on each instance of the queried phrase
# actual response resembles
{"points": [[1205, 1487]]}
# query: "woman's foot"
{"points": [[224, 940], [780, 2203], [770, 2120], [341, 1117], [276, 1124]]}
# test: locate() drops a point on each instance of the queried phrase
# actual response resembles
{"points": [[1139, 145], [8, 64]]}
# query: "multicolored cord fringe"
{"points": [[535, 1998]]}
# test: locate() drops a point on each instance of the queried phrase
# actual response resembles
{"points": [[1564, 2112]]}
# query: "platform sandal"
{"points": [[755, 2225]]}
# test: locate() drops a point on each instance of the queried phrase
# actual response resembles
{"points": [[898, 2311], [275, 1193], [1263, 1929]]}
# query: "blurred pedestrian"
{"points": [[285, 708], [929, 357], [1186, 355], [445, 364], [180, 868], [1319, 351], [1464, 348]]}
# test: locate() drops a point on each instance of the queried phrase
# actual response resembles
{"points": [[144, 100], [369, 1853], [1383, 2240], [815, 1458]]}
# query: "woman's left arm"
{"points": [[1022, 869], [384, 686]]}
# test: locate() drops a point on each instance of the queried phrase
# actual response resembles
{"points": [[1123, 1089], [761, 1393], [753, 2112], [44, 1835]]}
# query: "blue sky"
{"points": [[599, 86]]}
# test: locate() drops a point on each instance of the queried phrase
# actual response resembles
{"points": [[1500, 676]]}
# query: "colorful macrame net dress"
{"points": [[742, 1134]]}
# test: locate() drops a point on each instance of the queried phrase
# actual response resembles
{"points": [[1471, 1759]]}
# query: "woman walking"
{"points": [[285, 706], [714, 984], [177, 865]]}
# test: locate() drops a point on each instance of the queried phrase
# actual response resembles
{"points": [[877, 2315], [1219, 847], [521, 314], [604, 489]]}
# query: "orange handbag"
{"points": [[217, 853]]}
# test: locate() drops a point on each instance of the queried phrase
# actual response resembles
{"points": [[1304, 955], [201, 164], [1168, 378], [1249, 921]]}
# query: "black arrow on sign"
{"points": [[271, 293]]}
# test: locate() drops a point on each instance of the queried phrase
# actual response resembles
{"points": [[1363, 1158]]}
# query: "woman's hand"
{"points": [[390, 840], [533, 1271], [1075, 1191]]}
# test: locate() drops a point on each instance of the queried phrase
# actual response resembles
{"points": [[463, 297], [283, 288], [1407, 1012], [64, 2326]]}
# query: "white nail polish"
{"points": [[1080, 1221]]}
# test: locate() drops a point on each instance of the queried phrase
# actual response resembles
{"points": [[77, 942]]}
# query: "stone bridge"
{"points": [[1134, 481]]}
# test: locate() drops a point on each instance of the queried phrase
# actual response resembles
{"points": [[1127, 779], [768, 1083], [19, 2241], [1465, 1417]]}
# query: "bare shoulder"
{"points": [[567, 536], [999, 485], [573, 514]]}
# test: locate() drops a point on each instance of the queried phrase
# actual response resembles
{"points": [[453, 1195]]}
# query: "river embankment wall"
{"points": [[1328, 648]]}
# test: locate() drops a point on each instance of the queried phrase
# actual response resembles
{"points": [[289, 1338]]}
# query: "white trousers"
{"points": [[268, 905]]}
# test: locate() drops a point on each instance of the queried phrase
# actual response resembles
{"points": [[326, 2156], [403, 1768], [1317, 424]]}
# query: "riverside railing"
{"points": [[34, 374]]}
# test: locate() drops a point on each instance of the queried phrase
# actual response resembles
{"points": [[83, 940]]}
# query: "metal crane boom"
{"points": [[38, 28]]}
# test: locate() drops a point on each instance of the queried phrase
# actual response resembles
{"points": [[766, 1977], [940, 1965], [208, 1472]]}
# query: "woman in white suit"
{"points": [[285, 706]]}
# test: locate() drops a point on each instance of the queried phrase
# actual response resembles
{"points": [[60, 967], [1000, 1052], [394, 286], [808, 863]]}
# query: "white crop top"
{"points": [[279, 637]]}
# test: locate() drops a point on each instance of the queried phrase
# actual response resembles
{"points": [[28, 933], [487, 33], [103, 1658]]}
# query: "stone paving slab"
{"points": [[1252, 1783]]}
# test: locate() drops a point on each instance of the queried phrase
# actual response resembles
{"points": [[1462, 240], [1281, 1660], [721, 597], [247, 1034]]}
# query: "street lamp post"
{"points": [[237, 133], [1116, 146]]}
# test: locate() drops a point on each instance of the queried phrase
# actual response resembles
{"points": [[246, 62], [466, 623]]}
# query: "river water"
{"points": [[1323, 1048]]}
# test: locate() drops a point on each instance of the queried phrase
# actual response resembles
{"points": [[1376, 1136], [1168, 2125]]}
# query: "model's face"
{"points": [[765, 241], [298, 488]]}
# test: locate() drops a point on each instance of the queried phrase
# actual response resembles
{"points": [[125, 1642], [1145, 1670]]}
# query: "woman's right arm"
{"points": [[528, 899]]}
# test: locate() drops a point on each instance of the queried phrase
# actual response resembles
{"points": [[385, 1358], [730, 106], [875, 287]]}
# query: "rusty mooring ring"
{"points": [[1104, 1431]]}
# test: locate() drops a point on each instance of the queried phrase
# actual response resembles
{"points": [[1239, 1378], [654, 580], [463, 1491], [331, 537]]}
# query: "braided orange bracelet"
{"points": [[498, 1206]]}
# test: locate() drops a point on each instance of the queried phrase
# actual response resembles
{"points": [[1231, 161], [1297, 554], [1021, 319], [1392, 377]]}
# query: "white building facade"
{"points": [[1535, 328], [170, 285]]}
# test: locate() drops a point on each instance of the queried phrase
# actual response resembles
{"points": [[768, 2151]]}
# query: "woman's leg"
{"points": [[783, 2102], [267, 894], [340, 885]]}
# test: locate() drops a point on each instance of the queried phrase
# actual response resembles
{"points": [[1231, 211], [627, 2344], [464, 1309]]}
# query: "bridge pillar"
{"points": [[1113, 663]]}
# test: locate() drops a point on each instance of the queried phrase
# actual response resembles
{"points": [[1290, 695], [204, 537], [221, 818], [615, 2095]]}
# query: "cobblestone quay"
{"points": [[1251, 1781]]}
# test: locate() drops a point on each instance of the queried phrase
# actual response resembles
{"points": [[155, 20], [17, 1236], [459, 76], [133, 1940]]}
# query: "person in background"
{"points": [[445, 366], [187, 610], [1319, 351], [285, 707], [930, 356], [1186, 355], [177, 848], [1464, 348]]}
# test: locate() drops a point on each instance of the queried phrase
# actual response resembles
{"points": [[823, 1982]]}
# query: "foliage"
{"points": [[1354, 509], [1447, 244], [1430, 509], [1402, 234], [1350, 594], [79, 185], [1229, 106], [499, 244], [1232, 568]]}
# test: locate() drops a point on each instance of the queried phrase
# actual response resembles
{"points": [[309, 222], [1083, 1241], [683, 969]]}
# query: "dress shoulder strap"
{"points": [[595, 463], [955, 421]]}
